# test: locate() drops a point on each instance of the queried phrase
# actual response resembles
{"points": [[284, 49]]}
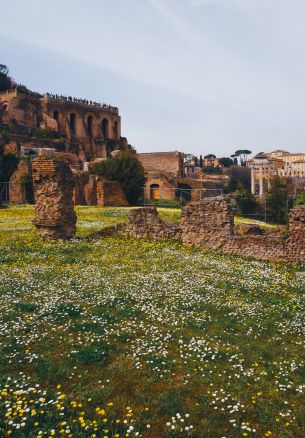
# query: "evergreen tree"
{"points": [[277, 199], [126, 169]]}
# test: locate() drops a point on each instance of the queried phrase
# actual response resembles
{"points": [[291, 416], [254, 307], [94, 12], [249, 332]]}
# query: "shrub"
{"points": [[300, 200], [126, 169]]}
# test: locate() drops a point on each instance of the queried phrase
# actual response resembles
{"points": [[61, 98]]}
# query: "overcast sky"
{"points": [[198, 76]]}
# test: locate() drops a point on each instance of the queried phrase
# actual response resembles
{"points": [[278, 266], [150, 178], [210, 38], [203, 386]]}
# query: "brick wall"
{"points": [[210, 224], [167, 162], [53, 186], [94, 190]]}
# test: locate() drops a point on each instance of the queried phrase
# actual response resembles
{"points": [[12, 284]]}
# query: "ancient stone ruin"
{"points": [[209, 224], [53, 184]]}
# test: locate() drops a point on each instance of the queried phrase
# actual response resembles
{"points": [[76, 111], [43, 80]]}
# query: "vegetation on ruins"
{"points": [[115, 337], [6, 82], [126, 169]]}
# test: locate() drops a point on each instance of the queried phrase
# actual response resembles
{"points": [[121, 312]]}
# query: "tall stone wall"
{"points": [[210, 224], [53, 187]]}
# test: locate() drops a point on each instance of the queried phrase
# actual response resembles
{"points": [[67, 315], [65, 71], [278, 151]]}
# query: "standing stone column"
{"points": [[53, 188]]}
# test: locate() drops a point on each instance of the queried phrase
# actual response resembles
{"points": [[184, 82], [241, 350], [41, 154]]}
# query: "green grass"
{"points": [[98, 331]]}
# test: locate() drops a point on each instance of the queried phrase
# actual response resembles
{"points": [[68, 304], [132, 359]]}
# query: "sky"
{"points": [[198, 76]]}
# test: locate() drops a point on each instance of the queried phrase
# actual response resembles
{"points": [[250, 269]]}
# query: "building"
{"points": [[266, 165], [90, 130]]}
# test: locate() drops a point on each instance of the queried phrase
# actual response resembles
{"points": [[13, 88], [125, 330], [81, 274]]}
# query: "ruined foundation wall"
{"points": [[210, 224], [145, 222], [53, 187]]}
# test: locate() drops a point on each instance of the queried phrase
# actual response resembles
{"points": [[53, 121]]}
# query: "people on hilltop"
{"points": [[83, 101]]}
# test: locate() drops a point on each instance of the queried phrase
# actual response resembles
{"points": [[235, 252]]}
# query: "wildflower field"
{"points": [[116, 337]]}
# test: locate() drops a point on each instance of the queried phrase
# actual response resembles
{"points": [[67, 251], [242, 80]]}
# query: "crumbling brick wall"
{"points": [[94, 190], [295, 244], [110, 194], [145, 222], [207, 223], [210, 224], [53, 186], [18, 183]]}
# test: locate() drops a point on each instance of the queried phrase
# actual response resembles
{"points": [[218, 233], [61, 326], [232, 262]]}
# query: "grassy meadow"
{"points": [[117, 337]]}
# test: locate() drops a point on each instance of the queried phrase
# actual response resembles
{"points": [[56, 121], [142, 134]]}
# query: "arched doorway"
{"points": [[72, 122], [184, 192], [56, 116], [105, 128], [154, 192], [90, 125]]}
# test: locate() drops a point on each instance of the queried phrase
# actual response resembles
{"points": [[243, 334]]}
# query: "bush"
{"points": [[300, 200], [245, 200], [127, 170]]}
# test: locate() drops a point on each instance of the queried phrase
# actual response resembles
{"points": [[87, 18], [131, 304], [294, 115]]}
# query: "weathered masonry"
{"points": [[53, 188], [210, 224]]}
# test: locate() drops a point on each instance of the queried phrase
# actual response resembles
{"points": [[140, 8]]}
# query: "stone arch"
{"points": [[72, 122], [154, 192], [105, 128], [90, 125], [56, 115]]}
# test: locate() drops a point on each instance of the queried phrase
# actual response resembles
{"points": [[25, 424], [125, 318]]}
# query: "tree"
{"points": [[200, 161], [6, 82], [232, 185], [277, 199], [242, 154], [126, 169], [226, 162], [8, 165], [209, 156], [245, 200]]}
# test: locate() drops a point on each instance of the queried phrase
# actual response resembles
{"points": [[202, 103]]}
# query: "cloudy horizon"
{"points": [[199, 76]]}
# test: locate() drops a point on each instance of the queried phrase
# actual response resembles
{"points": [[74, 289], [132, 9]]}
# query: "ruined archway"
{"points": [[105, 128], [72, 123], [90, 125], [154, 192]]}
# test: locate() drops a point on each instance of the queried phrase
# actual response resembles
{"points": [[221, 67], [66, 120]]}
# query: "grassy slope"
{"points": [[152, 327]]}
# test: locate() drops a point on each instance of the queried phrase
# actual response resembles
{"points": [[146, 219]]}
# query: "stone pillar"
{"points": [[53, 188], [253, 181], [261, 183]]}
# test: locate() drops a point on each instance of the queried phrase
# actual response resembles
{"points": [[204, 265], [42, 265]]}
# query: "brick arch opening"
{"points": [[72, 122], [56, 115], [90, 125], [105, 128], [154, 192]]}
